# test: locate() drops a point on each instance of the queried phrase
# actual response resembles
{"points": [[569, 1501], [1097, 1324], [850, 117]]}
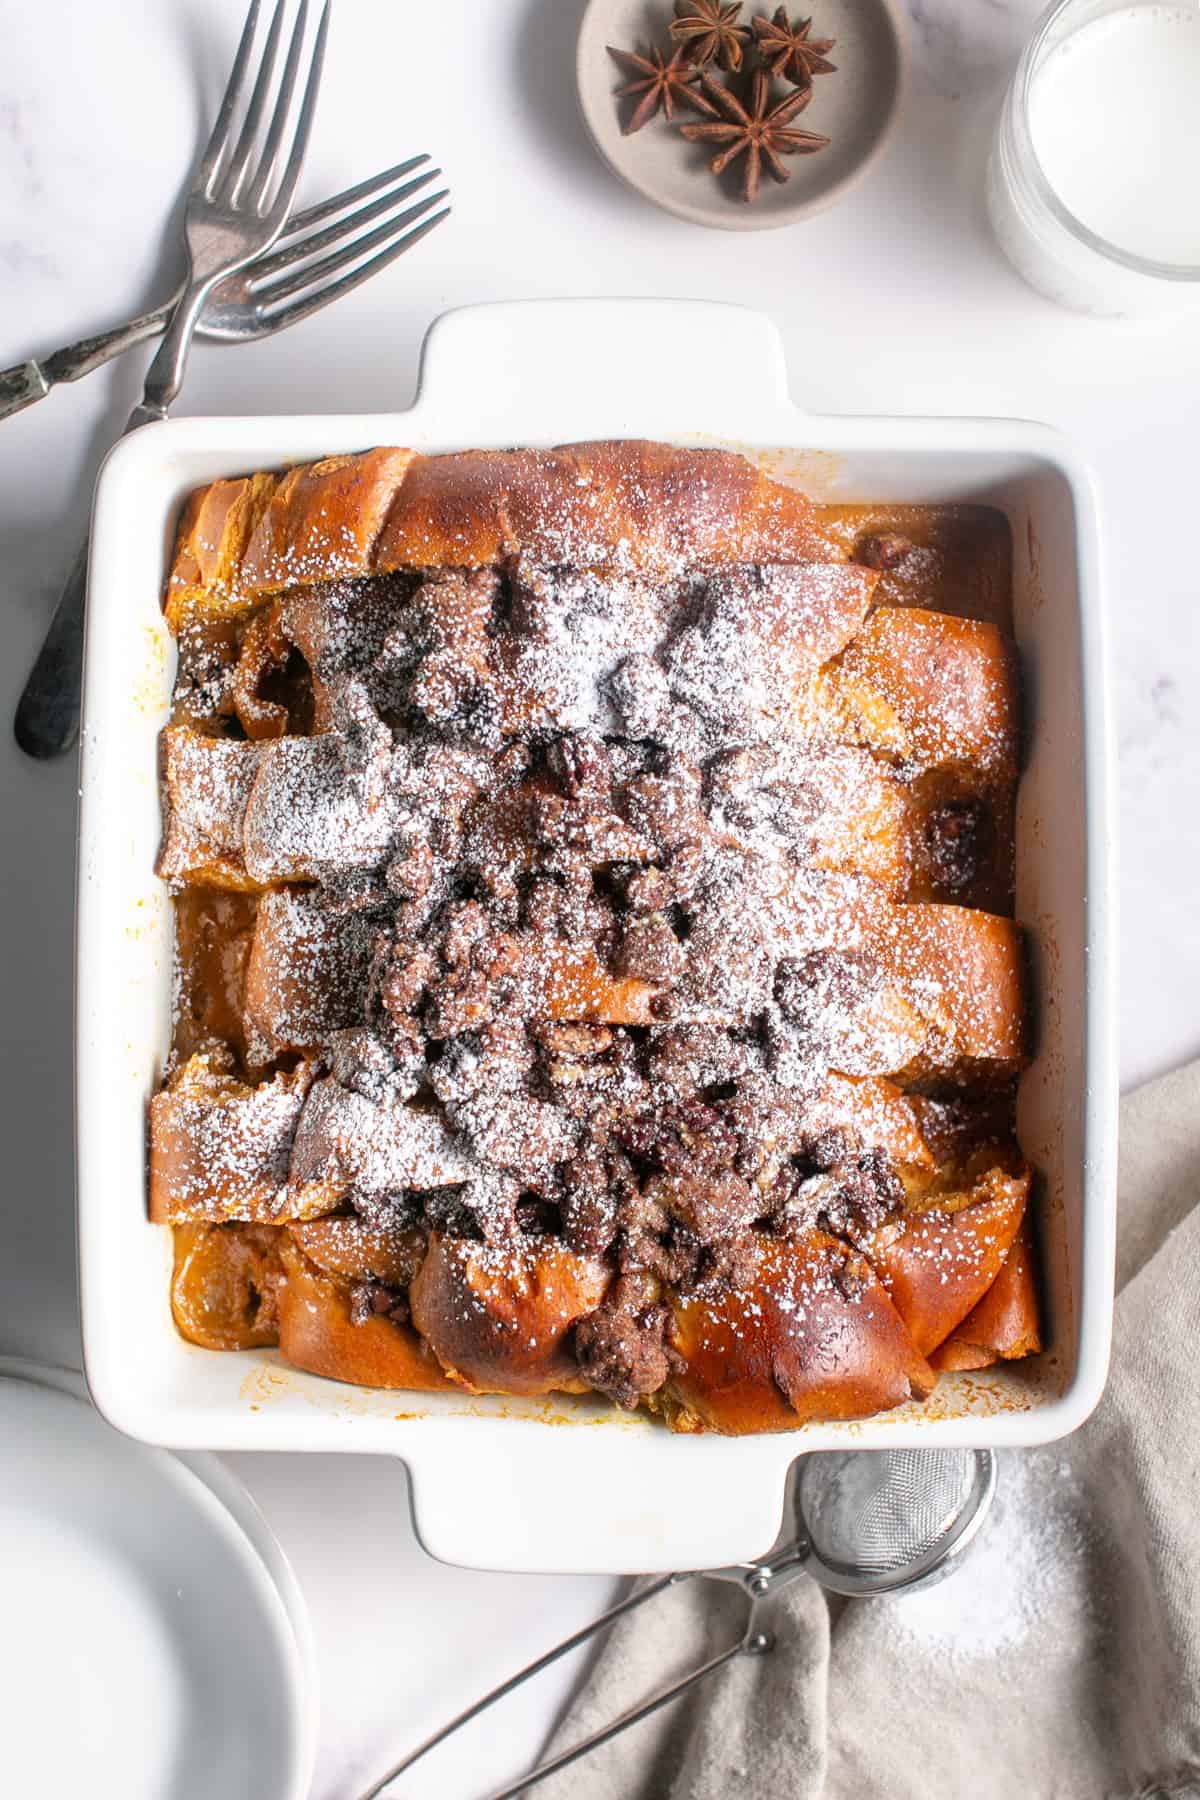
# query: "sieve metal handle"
{"points": [[756, 1579], [753, 1642], [628, 1605]]}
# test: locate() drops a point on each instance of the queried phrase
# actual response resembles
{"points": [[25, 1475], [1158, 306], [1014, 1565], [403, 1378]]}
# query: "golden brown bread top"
{"points": [[500, 1320], [210, 539], [642, 506], [936, 1265], [317, 1334], [1005, 1323], [817, 1330], [813, 1336]]}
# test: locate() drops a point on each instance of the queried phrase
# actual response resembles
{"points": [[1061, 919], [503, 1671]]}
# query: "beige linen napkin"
{"points": [[1061, 1663]]}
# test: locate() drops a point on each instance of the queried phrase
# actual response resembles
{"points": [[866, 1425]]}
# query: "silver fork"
{"points": [[293, 281], [237, 208]]}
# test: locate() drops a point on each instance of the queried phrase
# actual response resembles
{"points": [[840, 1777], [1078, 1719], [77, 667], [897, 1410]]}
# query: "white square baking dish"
{"points": [[560, 1483]]}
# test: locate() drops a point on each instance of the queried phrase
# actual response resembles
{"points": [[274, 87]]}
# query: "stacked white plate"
{"points": [[155, 1645]]}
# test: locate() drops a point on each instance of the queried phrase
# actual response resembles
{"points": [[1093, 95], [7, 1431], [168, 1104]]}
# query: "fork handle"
{"points": [[27, 382], [47, 718]]}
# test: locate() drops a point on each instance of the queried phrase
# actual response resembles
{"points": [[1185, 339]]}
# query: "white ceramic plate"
{"points": [[155, 1646]]}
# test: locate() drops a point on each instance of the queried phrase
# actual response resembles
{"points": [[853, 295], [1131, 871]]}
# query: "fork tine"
{"points": [[308, 106], [338, 203], [279, 118], [308, 303], [265, 292], [301, 249], [235, 174], [222, 131]]}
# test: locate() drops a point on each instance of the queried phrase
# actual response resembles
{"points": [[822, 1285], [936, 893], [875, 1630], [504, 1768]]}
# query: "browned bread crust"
{"points": [[317, 1334], [224, 1285], [926, 686], [1005, 1323], [207, 783], [883, 1117], [963, 973], [648, 507], [500, 1321], [220, 1149], [348, 1248], [814, 1336], [938, 1264]]}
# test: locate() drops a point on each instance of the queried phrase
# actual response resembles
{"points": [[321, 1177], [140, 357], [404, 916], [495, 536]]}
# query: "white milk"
{"points": [[1110, 114], [1115, 117]]}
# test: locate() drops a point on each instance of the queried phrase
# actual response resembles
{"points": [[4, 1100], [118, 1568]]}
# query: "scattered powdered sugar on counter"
{"points": [[1033, 1564]]}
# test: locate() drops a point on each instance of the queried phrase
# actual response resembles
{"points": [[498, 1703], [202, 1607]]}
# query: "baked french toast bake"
{"points": [[593, 878]]}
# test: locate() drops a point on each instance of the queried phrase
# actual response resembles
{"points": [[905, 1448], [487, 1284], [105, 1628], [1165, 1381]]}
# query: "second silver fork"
{"points": [[306, 270]]}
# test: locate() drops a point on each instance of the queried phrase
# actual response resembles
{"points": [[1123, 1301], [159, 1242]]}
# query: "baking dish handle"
{"points": [[698, 366], [640, 1500]]}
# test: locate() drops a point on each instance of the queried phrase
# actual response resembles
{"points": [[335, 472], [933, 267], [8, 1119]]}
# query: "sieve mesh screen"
{"points": [[877, 1514]]}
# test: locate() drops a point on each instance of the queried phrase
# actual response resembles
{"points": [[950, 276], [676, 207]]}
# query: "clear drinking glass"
{"points": [[1115, 231]]}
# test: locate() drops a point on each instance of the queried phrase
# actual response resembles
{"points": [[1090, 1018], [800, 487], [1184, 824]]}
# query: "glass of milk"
{"points": [[1094, 178]]}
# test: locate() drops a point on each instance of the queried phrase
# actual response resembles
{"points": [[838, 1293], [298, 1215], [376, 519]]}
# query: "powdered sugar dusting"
{"points": [[619, 920]]}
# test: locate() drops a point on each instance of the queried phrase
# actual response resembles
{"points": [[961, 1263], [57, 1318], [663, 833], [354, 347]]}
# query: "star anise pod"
{"points": [[707, 32], [762, 133], [660, 84], [788, 51]]}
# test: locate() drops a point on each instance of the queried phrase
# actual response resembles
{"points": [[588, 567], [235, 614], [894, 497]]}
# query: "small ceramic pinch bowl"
{"points": [[855, 108]]}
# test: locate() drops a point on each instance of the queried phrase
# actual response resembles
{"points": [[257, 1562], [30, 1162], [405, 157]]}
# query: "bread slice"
{"points": [[938, 1263], [630, 504], [813, 1336], [221, 1148], [317, 1334], [1005, 1324], [500, 1319]]}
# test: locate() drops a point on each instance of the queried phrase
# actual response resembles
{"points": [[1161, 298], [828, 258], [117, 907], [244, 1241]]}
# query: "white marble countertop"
{"points": [[895, 301]]}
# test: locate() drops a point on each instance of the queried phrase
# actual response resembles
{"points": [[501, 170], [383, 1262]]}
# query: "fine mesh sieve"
{"points": [[861, 1523], [882, 1521]]}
